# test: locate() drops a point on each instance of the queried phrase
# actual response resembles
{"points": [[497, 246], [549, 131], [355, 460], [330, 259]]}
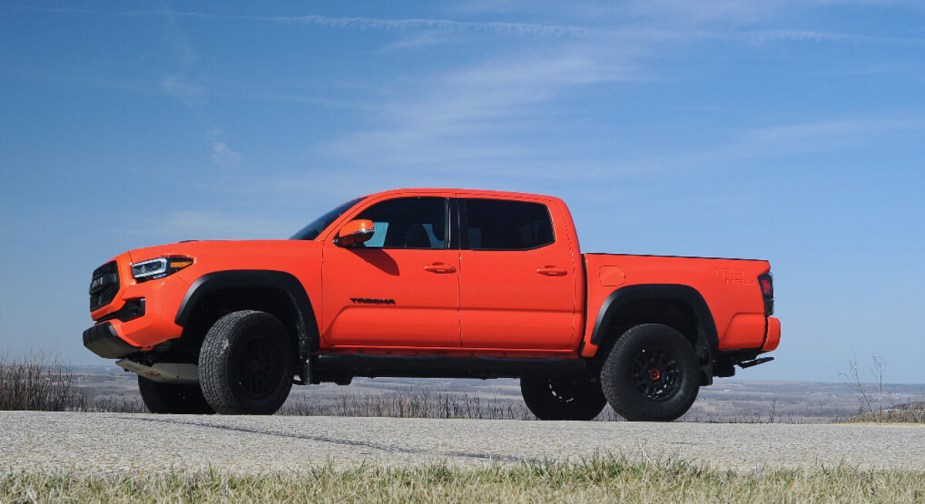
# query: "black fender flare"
{"points": [[244, 279], [686, 294]]}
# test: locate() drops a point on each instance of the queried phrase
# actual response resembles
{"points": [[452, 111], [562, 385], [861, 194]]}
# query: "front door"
{"points": [[400, 288]]}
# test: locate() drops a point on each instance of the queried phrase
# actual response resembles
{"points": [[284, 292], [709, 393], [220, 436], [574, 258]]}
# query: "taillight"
{"points": [[767, 292]]}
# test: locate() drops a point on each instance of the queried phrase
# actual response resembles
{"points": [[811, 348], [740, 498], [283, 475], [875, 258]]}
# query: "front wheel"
{"points": [[246, 364], [562, 397], [651, 374]]}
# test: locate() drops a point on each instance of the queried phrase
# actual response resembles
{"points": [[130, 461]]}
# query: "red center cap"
{"points": [[655, 374]]}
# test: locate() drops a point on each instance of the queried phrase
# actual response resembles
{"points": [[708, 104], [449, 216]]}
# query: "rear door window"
{"points": [[506, 225]]}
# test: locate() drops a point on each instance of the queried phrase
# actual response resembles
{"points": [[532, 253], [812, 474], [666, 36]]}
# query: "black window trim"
{"points": [[454, 224]]}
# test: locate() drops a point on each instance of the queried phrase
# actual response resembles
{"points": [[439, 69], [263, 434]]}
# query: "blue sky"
{"points": [[786, 130]]}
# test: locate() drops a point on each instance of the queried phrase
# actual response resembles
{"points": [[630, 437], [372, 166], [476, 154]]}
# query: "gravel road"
{"points": [[116, 443]]}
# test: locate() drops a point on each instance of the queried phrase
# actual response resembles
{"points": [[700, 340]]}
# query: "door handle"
{"points": [[440, 268], [552, 271]]}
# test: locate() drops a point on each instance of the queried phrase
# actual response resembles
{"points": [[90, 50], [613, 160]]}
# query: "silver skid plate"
{"points": [[163, 372]]}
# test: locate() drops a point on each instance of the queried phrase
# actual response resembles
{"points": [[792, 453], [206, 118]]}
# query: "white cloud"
{"points": [[430, 24], [214, 132], [818, 37], [181, 88], [517, 29], [818, 136], [744, 147], [535, 29], [464, 117], [658, 18], [708, 11], [224, 156]]}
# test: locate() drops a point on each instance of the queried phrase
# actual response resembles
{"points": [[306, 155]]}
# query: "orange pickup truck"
{"points": [[430, 283]]}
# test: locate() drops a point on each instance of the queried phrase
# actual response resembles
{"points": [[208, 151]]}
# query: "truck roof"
{"points": [[462, 191]]}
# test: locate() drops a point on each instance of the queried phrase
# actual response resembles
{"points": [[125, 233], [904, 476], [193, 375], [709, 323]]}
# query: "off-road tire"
{"points": [[563, 397], [651, 374], [246, 364], [181, 399]]}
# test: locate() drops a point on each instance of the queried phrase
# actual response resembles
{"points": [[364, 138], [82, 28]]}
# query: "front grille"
{"points": [[104, 285]]}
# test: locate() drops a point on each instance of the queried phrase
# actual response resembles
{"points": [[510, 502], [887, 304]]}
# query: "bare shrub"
{"points": [[38, 383], [875, 404], [870, 396]]}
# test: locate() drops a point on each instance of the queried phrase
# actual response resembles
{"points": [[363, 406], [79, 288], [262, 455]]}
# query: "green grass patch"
{"points": [[601, 479]]}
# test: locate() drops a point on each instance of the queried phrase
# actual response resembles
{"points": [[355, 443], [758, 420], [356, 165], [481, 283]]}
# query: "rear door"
{"points": [[518, 277]]}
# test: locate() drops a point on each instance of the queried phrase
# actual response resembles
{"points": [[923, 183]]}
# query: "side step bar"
{"points": [[374, 366], [754, 362]]}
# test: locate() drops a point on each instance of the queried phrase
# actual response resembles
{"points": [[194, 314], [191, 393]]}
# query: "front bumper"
{"points": [[136, 316], [103, 340], [116, 338]]}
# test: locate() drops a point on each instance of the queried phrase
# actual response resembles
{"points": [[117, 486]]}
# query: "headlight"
{"points": [[159, 268]]}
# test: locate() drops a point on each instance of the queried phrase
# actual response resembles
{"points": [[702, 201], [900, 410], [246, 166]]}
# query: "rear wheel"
{"points": [[246, 364], [651, 374], [562, 397], [185, 399]]}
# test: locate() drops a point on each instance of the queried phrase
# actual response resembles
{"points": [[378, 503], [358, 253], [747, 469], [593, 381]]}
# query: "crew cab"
{"points": [[430, 283]]}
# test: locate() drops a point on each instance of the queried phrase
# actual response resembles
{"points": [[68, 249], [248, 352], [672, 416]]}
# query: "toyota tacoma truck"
{"points": [[430, 283]]}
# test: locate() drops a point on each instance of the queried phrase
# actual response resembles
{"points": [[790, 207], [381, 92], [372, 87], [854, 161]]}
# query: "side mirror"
{"points": [[355, 232]]}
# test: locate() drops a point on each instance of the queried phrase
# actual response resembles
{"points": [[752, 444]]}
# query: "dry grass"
{"points": [[606, 479], [426, 404], [116, 405], [913, 412], [38, 383]]}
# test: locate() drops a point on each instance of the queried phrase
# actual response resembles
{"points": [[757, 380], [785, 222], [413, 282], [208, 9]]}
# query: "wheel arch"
{"points": [[276, 292], [679, 306]]}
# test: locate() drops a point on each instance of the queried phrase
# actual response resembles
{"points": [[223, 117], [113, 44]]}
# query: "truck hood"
{"points": [[236, 254]]}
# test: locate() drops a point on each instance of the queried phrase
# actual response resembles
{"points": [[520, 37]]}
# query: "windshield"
{"points": [[311, 231]]}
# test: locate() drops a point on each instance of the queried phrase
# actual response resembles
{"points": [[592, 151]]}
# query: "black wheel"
{"points": [[563, 397], [173, 398], [246, 364], [651, 374]]}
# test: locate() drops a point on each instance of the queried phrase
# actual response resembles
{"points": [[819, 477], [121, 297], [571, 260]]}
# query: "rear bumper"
{"points": [[103, 340], [772, 336]]}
